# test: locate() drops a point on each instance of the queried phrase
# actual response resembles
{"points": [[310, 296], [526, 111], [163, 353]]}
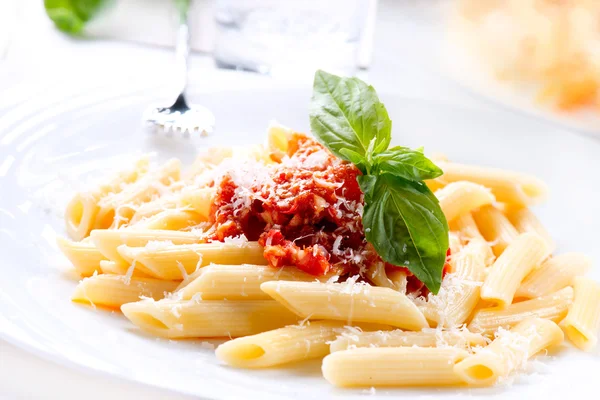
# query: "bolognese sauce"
{"points": [[306, 210]]}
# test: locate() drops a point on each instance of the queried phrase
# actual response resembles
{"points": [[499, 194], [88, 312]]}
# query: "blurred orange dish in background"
{"points": [[555, 43]]}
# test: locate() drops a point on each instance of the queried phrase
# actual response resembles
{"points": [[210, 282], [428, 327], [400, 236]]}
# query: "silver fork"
{"points": [[181, 116]]}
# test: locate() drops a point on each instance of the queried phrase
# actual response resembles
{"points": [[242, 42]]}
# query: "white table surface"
{"points": [[37, 52]]}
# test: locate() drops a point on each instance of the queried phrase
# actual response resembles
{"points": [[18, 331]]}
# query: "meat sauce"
{"points": [[308, 213]]}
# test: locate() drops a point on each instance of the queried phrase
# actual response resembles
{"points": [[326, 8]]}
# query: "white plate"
{"points": [[51, 145], [424, 37]]}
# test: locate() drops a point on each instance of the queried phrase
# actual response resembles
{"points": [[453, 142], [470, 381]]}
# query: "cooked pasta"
{"points": [[554, 274], [398, 338], [190, 318], [583, 320], [280, 346], [553, 306], [522, 256], [351, 302], [115, 290], [508, 351], [284, 250], [393, 366], [459, 198], [238, 282], [495, 228]]}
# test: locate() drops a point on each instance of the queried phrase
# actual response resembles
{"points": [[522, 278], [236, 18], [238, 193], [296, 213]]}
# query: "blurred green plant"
{"points": [[71, 16]]}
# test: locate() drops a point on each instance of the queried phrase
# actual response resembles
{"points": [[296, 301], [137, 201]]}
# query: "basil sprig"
{"points": [[402, 218]]}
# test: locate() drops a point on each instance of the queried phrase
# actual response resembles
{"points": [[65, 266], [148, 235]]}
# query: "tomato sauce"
{"points": [[308, 213]]}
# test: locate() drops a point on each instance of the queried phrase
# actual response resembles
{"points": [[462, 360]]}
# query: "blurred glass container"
{"points": [[290, 37]]}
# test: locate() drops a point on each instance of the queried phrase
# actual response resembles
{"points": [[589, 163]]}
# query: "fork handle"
{"points": [[182, 50]]}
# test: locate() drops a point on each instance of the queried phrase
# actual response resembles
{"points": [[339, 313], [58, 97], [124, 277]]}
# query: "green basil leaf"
{"points": [[406, 226], [70, 16], [367, 184], [345, 113], [406, 163], [355, 159]]}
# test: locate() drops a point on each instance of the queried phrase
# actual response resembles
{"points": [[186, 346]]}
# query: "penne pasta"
{"points": [[583, 320], [508, 187], [189, 318], [399, 338], [115, 290], [107, 240], [522, 256], [509, 351], [553, 306], [554, 274], [116, 209], [280, 346], [167, 261], [240, 282], [466, 227], [83, 209], [351, 302], [156, 206], [495, 228], [391, 366], [148, 247], [377, 275], [524, 220], [172, 220], [459, 198], [460, 290], [122, 268], [83, 255], [198, 200]]}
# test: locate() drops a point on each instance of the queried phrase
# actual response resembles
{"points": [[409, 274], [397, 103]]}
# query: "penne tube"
{"points": [[351, 302], [454, 242], [583, 320], [153, 207], [495, 228], [508, 187], [280, 346], [398, 338], [459, 198], [460, 291], [240, 282], [393, 366], [377, 275], [167, 261], [83, 255], [117, 208], [115, 290], [122, 268], [524, 220], [198, 200], [554, 274], [466, 227], [107, 240], [171, 220], [509, 351], [83, 209], [521, 257], [188, 318], [553, 306]]}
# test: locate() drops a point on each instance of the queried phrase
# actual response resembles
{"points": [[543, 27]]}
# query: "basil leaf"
{"points": [[367, 185], [406, 226], [406, 163], [345, 113], [70, 16], [355, 159]]}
